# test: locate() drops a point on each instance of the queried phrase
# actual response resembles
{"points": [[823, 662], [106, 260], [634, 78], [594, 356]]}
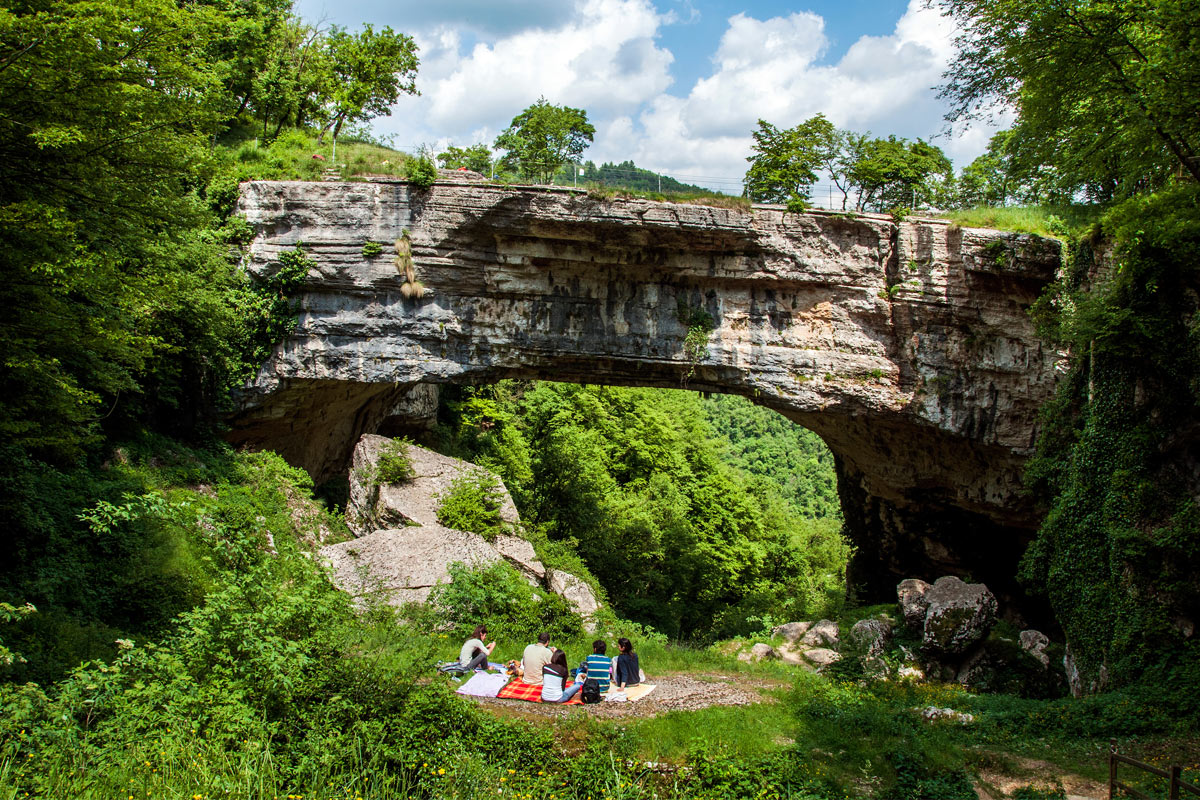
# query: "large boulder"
{"points": [[759, 652], [871, 636], [822, 657], [574, 590], [823, 633], [959, 615], [1035, 643], [791, 632], [404, 564], [414, 501], [375, 505], [913, 605]]}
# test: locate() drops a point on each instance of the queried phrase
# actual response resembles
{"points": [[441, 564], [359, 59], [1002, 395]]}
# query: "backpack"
{"points": [[590, 691]]}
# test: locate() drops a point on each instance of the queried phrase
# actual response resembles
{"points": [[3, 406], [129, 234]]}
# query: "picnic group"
{"points": [[544, 674]]}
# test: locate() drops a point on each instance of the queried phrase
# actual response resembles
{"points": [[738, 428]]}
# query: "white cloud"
{"points": [[606, 59]]}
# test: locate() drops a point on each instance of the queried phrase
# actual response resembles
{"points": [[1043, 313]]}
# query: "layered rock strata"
{"points": [[906, 345]]}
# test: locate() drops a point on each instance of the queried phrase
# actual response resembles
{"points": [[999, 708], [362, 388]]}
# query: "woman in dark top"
{"points": [[628, 673]]}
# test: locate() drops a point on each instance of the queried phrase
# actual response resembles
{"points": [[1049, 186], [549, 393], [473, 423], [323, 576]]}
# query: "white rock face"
{"points": [[574, 591], [906, 346], [403, 551], [404, 564]]}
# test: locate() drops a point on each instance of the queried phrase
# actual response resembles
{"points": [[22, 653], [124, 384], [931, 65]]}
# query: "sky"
{"points": [[677, 86]]}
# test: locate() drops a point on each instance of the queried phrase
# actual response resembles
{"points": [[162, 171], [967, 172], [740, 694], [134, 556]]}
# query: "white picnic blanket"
{"points": [[484, 684]]}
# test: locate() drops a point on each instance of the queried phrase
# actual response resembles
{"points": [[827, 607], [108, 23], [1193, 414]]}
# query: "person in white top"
{"points": [[554, 675], [534, 658], [474, 653]]}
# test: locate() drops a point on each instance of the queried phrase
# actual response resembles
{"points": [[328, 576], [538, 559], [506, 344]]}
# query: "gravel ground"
{"points": [[674, 693]]}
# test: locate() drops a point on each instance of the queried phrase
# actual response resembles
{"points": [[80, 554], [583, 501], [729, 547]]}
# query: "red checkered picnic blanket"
{"points": [[518, 689]]}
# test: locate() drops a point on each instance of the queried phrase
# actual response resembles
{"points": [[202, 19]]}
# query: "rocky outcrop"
{"points": [[823, 633], [403, 565], [959, 615], [574, 590], [871, 637], [907, 346], [403, 551], [791, 632], [913, 604], [1035, 643], [759, 652]]}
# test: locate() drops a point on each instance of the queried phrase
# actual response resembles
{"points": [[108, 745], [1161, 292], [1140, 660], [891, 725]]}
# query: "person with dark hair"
{"points": [[554, 677], [534, 658], [628, 671], [474, 653], [598, 665]]}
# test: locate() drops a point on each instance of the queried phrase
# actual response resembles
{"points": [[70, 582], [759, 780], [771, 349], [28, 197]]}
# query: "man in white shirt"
{"points": [[534, 658]]}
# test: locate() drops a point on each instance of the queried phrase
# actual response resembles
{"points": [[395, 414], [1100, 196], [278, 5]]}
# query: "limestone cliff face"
{"points": [[906, 346]]}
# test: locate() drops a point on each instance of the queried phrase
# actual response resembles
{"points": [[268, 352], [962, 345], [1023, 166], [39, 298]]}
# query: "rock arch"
{"points": [[906, 345]]}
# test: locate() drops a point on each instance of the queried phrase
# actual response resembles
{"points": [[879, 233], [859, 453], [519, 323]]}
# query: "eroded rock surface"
{"points": [[906, 346], [403, 551]]}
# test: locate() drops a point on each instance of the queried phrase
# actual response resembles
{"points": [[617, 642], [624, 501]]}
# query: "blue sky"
{"points": [[675, 85]]}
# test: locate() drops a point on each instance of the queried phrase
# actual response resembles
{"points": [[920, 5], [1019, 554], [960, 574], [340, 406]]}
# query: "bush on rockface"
{"points": [[499, 597]]}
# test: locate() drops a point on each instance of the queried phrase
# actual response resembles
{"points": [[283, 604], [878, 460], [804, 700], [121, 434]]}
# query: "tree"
{"points": [[367, 73], [895, 173], [477, 157], [1108, 92], [543, 138], [785, 163]]}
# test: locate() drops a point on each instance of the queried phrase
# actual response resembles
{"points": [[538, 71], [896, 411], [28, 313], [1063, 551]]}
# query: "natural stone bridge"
{"points": [[906, 346]]}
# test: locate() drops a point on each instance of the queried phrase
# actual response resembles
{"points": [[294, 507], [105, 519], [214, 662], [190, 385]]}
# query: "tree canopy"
{"points": [[1108, 92], [543, 138], [881, 174]]}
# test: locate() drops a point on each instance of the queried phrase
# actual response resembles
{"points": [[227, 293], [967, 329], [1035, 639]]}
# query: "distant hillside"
{"points": [[626, 175]]}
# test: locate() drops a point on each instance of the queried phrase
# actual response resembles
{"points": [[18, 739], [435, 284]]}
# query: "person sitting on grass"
{"points": [[598, 666], [628, 672], [554, 677], [474, 653], [534, 658]]}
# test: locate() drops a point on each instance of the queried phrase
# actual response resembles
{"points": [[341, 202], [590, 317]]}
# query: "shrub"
{"points": [[371, 249], [472, 503], [395, 464], [421, 171], [499, 597]]}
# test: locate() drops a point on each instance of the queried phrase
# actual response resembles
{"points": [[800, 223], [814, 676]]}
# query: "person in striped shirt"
{"points": [[598, 665]]}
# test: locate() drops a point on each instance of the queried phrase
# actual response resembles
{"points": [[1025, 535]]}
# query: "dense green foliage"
{"points": [[680, 538], [472, 503], [1105, 111], [1119, 552], [544, 137], [1105, 91], [394, 464], [881, 173]]}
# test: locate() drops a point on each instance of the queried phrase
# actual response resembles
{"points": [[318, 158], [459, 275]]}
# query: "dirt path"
{"points": [[682, 692], [1041, 774]]}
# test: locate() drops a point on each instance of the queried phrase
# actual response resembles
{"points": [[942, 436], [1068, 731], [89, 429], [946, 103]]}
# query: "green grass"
{"points": [[1057, 221]]}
